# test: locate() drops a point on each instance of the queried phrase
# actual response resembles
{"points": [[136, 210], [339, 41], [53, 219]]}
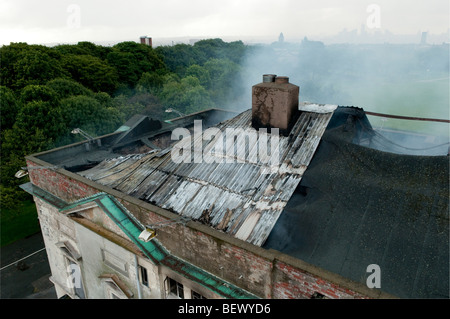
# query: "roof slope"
{"points": [[357, 206], [231, 194]]}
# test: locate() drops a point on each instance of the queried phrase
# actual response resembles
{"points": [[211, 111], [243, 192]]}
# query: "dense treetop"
{"points": [[46, 92]]}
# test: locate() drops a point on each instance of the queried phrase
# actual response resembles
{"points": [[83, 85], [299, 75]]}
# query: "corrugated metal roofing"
{"points": [[232, 194]]}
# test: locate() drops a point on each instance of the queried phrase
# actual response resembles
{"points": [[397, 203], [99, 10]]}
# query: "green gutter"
{"points": [[130, 227], [44, 195], [152, 249]]}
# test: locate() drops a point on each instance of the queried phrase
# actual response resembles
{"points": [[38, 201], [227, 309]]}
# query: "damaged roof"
{"points": [[356, 206], [241, 196]]}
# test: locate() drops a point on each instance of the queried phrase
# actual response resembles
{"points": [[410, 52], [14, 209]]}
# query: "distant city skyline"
{"points": [[63, 21]]}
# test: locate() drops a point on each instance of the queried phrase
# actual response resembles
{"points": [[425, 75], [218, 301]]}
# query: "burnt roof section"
{"points": [[140, 134], [357, 206], [231, 196]]}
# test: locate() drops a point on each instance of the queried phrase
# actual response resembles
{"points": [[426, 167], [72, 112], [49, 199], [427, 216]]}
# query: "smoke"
{"points": [[399, 79]]}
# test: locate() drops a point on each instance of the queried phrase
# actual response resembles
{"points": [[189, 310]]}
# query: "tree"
{"points": [[9, 108], [66, 87], [95, 50], [16, 143], [88, 114], [180, 56], [151, 82], [91, 72], [223, 73], [148, 59], [131, 59], [71, 49], [201, 73], [126, 65], [9, 54], [34, 92], [42, 115], [187, 95], [35, 65], [218, 49]]}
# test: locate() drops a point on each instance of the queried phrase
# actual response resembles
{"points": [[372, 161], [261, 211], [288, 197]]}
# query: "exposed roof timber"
{"points": [[231, 194]]}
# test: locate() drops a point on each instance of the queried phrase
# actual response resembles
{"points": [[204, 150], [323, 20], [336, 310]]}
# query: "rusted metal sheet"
{"points": [[230, 194]]}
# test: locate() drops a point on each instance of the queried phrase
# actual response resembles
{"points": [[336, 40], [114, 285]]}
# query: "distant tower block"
{"points": [[146, 40], [423, 40]]}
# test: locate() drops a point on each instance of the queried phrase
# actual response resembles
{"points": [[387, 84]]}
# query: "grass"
{"points": [[18, 223]]}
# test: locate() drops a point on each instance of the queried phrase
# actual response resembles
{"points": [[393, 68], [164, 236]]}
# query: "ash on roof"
{"points": [[231, 197]]}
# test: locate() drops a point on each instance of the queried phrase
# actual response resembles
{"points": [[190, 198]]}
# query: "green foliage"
{"points": [[186, 96], [9, 55], [40, 115], [131, 59], [91, 72], [36, 66], [33, 93], [9, 107], [65, 88], [218, 49], [48, 91], [23, 64], [148, 59], [89, 114], [223, 73], [151, 82], [126, 65], [9, 197], [18, 221], [179, 57], [16, 143], [140, 103], [65, 49], [201, 73]]}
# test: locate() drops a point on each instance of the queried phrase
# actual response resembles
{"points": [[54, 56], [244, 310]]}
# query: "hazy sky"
{"points": [[70, 21]]}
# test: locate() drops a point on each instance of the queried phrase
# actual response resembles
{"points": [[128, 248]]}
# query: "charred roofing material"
{"points": [[356, 206], [234, 197]]}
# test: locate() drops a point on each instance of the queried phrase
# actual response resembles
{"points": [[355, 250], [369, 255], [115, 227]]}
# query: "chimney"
{"points": [[146, 40], [275, 103]]}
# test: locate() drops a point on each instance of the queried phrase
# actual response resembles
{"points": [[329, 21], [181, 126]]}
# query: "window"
{"points": [[114, 287], [115, 262], [114, 296], [175, 288], [144, 276], [69, 251], [196, 295]]}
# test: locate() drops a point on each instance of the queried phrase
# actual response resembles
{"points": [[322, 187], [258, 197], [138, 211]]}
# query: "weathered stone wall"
{"points": [[265, 273]]}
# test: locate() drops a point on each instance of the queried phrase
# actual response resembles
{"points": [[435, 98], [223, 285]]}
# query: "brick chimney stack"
{"points": [[146, 40], [275, 103]]}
